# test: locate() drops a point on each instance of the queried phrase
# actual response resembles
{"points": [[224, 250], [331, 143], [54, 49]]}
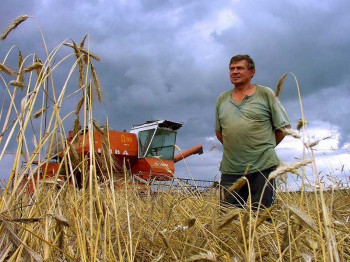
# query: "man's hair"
{"points": [[237, 58]]}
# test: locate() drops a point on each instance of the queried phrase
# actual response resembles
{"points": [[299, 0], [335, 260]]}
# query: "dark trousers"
{"points": [[239, 197]]}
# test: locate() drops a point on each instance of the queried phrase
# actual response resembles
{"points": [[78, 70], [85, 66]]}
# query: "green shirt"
{"points": [[248, 130]]}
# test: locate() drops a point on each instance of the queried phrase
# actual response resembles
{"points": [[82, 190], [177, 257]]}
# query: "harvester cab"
{"points": [[156, 148], [156, 138]]}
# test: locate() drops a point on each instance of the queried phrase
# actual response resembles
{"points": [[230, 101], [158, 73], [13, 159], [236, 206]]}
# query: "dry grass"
{"points": [[101, 222], [56, 224]]}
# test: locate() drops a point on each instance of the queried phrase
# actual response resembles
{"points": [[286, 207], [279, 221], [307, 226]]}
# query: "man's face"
{"points": [[240, 74]]}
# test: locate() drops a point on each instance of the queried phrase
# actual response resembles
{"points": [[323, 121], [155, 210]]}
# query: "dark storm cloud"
{"points": [[307, 38], [169, 59]]}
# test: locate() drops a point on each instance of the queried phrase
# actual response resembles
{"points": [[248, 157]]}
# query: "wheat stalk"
{"points": [[35, 66], [111, 222], [30, 253], [302, 217], [301, 123], [291, 132], [11, 27], [83, 42], [7, 70], [288, 168], [264, 215], [238, 184], [280, 85], [20, 76], [315, 143], [85, 52], [16, 83], [90, 95], [79, 105], [202, 256], [59, 218], [97, 83], [39, 112], [80, 65], [76, 126], [229, 218]]}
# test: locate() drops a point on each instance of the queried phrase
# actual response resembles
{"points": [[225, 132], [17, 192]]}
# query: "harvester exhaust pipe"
{"points": [[193, 150]]}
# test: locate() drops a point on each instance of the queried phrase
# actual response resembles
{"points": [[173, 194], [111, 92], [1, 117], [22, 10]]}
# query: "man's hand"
{"points": [[279, 134], [219, 135]]}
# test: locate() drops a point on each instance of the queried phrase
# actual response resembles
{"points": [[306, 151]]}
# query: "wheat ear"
{"points": [[83, 41], [280, 85], [238, 184], [39, 112], [20, 76], [291, 132], [76, 125], [79, 105], [7, 70], [85, 52], [284, 169], [80, 65], [96, 83], [35, 66], [302, 122], [16, 83], [304, 219], [11, 27]]}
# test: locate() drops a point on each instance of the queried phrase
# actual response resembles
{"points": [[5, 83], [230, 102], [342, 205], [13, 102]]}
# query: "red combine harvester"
{"points": [[147, 151]]}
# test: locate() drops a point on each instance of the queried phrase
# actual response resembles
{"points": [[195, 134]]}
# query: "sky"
{"points": [[169, 60]]}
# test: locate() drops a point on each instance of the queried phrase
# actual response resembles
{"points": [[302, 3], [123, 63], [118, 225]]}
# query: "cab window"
{"points": [[145, 138], [163, 145]]}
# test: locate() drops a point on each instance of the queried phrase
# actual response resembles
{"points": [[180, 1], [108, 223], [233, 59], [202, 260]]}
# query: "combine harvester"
{"points": [[146, 153]]}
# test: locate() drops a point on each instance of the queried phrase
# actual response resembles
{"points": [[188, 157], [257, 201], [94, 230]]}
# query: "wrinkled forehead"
{"points": [[242, 62]]}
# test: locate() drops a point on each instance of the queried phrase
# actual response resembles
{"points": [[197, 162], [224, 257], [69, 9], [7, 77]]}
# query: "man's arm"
{"points": [[219, 135], [279, 134]]}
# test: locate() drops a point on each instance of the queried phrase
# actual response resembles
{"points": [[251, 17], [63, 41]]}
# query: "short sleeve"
{"points": [[278, 114]]}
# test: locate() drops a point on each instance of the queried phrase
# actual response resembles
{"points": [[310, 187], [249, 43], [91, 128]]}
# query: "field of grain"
{"points": [[109, 225], [101, 222]]}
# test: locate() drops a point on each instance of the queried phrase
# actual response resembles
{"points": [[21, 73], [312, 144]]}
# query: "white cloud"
{"points": [[331, 161]]}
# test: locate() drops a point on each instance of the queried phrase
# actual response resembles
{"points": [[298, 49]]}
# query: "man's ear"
{"points": [[252, 73]]}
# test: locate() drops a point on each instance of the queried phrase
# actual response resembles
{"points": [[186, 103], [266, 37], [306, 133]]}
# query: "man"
{"points": [[249, 124]]}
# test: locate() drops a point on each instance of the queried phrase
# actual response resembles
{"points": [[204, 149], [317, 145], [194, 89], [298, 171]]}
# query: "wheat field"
{"points": [[102, 222]]}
